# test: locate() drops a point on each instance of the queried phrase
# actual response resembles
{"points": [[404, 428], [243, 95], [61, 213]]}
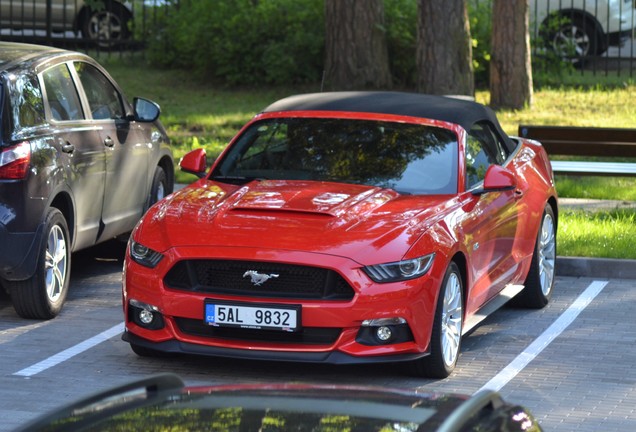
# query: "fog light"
{"points": [[145, 316], [384, 333]]}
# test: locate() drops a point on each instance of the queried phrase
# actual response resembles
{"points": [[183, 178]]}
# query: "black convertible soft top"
{"points": [[444, 108]]}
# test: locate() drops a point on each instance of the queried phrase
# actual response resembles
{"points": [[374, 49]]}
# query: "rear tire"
{"points": [[447, 329], [540, 280], [42, 296]]}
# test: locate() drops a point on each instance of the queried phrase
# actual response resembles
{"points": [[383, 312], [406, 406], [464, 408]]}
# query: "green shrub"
{"points": [[548, 66], [480, 17], [243, 42], [249, 42]]}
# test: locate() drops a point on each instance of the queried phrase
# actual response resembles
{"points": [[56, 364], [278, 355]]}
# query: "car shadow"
{"points": [[98, 260]]}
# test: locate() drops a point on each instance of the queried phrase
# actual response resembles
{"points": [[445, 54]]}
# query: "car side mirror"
{"points": [[497, 179], [145, 110], [194, 162]]}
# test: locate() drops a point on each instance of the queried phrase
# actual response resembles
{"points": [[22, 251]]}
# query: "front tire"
{"points": [[540, 280], [42, 296], [160, 187], [447, 329]]}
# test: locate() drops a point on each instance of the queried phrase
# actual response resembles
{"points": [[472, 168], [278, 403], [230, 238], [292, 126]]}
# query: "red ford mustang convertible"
{"points": [[346, 228]]}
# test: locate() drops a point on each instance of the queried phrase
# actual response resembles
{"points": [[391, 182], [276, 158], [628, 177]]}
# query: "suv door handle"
{"points": [[108, 142]]}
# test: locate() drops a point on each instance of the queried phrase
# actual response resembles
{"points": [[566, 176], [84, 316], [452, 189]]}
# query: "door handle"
{"points": [[108, 142], [68, 147]]}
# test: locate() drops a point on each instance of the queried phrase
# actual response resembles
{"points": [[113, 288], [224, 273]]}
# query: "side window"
{"points": [[27, 106], [481, 152], [61, 94], [103, 98]]}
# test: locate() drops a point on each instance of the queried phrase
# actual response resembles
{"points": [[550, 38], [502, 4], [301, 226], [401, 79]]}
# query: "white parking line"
{"points": [[496, 383], [71, 352], [535, 348]]}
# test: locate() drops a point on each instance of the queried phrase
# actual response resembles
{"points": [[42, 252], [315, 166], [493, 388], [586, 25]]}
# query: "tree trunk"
{"points": [[444, 50], [356, 54], [510, 65]]}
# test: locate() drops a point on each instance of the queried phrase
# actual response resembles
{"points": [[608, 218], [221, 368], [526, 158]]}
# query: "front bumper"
{"points": [[332, 357], [182, 328]]}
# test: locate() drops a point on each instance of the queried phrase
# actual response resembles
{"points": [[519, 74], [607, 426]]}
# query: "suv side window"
{"points": [[482, 150], [103, 98], [61, 94], [27, 106]]}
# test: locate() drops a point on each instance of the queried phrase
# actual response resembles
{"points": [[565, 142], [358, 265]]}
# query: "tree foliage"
{"points": [[401, 23]]}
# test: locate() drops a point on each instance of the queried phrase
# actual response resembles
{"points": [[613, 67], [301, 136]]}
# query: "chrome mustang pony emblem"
{"points": [[259, 278]]}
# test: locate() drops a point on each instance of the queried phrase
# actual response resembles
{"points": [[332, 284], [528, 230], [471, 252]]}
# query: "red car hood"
{"points": [[353, 221]]}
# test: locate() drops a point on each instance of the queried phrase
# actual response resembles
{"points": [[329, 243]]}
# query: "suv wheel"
{"points": [[574, 39], [107, 25], [160, 187], [42, 296]]}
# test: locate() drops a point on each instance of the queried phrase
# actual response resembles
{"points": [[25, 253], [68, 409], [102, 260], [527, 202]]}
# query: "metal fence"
{"points": [[592, 35], [106, 25]]}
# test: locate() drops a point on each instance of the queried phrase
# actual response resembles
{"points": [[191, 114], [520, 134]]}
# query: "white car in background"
{"points": [[576, 29]]}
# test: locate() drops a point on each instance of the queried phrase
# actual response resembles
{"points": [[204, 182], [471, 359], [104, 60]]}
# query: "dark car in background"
{"points": [[164, 403], [79, 165]]}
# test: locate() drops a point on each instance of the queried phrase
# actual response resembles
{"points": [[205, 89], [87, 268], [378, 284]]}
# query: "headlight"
{"points": [[144, 255], [399, 271]]}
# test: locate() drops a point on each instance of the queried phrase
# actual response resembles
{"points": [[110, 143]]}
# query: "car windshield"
{"points": [[409, 158]]}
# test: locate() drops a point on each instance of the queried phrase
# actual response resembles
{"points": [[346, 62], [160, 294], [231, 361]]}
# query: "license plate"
{"points": [[252, 316]]}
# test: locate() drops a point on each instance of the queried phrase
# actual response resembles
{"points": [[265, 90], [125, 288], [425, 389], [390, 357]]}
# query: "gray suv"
{"points": [[78, 165]]}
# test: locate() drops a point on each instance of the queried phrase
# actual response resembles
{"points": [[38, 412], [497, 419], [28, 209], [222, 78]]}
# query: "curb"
{"points": [[596, 267]]}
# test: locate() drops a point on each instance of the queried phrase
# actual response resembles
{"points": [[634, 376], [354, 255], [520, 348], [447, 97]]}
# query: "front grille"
{"points": [[307, 335], [232, 277]]}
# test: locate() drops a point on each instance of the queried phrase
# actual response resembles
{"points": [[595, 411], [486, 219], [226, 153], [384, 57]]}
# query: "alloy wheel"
{"points": [[547, 254], [452, 318], [161, 191], [56, 263], [572, 42], [105, 26]]}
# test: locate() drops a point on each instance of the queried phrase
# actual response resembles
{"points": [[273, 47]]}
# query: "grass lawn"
{"points": [[198, 113]]}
